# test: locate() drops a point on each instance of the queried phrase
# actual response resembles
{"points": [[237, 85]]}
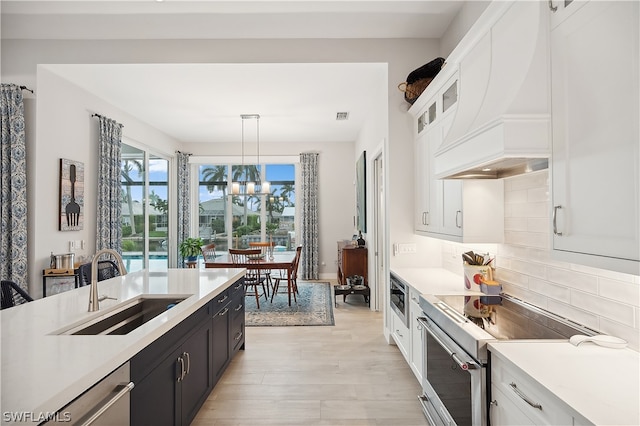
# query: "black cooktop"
{"points": [[505, 317]]}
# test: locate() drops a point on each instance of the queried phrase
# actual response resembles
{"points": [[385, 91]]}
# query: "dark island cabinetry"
{"points": [[174, 375]]}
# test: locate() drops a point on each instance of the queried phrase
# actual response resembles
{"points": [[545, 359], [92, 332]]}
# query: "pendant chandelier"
{"points": [[249, 187]]}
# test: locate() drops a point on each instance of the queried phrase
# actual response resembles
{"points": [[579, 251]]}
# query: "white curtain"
{"points": [[109, 209], [309, 233], [13, 187]]}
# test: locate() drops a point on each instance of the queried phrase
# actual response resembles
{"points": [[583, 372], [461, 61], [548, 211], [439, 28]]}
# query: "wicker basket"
{"points": [[413, 90]]}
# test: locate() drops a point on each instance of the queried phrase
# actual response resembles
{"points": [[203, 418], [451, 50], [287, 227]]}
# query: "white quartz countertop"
{"points": [[601, 384], [436, 281], [43, 371]]}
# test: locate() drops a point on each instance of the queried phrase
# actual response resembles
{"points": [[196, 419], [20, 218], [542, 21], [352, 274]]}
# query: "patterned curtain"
{"points": [[184, 212], [13, 185], [309, 232], [109, 227]]}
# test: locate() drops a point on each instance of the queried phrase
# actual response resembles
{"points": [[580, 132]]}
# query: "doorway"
{"points": [[379, 251]]}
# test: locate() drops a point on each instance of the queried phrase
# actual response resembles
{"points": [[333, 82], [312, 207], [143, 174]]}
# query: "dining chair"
{"points": [[208, 252], [13, 295], [292, 284], [264, 247], [252, 279], [106, 269]]}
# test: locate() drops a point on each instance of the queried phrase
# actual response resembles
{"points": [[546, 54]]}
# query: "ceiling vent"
{"points": [[340, 116]]}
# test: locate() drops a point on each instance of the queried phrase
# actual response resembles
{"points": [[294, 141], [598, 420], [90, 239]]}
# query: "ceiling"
{"points": [[203, 102]]}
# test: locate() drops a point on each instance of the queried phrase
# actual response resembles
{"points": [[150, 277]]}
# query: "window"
{"points": [[236, 220], [145, 209]]}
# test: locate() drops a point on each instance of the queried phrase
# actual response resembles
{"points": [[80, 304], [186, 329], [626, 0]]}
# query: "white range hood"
{"points": [[502, 123]]}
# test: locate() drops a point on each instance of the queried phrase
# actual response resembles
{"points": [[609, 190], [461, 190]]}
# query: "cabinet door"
{"points": [[220, 350], [421, 198], [197, 382], [416, 338], [153, 399], [236, 332], [504, 412], [401, 335], [434, 216], [596, 189]]}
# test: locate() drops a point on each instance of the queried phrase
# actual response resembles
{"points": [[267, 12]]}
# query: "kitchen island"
{"points": [[42, 370]]}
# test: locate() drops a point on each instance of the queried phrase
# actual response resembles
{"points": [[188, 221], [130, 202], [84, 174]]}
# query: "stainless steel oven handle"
{"points": [[462, 364], [524, 397], [125, 390]]}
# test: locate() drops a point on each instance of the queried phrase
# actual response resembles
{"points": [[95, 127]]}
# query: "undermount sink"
{"points": [[125, 317]]}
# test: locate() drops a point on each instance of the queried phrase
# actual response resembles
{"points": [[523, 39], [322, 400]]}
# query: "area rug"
{"points": [[314, 307]]}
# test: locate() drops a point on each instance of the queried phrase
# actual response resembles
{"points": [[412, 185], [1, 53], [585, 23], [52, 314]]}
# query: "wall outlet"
{"points": [[404, 248]]}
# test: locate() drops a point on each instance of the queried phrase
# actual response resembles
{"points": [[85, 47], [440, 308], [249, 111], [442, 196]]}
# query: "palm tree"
{"points": [[286, 190], [127, 167], [216, 178]]}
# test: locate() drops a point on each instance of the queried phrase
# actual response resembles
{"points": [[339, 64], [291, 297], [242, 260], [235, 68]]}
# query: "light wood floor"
{"points": [[341, 375]]}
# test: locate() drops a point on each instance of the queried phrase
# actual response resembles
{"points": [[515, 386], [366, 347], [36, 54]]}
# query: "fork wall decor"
{"points": [[71, 213]]}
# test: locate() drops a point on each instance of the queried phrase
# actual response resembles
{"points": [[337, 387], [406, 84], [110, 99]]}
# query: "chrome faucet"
{"points": [[94, 301]]}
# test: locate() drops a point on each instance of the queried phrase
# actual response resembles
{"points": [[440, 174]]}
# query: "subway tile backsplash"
{"points": [[604, 300]]}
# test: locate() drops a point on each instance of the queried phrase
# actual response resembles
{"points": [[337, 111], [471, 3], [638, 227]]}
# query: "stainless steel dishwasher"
{"points": [[107, 403]]}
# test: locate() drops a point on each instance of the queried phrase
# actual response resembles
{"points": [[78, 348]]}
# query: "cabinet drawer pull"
{"points": [[524, 397], [224, 312], [223, 299], [238, 287], [188, 357], [238, 336], [238, 308], [181, 362], [555, 224], [458, 214]]}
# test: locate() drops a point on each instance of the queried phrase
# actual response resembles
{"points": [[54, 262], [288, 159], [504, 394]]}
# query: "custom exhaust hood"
{"points": [[502, 123]]}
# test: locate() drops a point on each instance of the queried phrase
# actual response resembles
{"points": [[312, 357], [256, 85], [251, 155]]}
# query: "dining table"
{"points": [[276, 261]]}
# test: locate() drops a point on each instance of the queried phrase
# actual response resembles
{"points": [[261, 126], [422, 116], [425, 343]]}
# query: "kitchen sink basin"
{"points": [[126, 317]]}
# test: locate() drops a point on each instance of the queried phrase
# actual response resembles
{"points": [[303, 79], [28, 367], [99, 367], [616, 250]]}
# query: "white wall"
{"points": [[21, 57], [603, 300], [65, 129], [465, 18]]}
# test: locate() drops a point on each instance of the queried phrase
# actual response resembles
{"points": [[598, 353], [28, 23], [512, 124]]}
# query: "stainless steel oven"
{"points": [[456, 331], [398, 298], [454, 381]]}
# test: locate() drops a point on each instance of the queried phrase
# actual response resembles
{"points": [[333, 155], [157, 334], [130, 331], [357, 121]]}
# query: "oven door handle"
{"points": [[465, 365]]}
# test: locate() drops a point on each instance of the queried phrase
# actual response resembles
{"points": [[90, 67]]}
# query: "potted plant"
{"points": [[190, 248]]}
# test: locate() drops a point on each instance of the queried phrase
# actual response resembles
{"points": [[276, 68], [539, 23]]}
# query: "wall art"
{"points": [[71, 213]]}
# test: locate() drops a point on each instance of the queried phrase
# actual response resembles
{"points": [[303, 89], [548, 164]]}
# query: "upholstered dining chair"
{"points": [[253, 278], [13, 295], [208, 252], [266, 248], [292, 285]]}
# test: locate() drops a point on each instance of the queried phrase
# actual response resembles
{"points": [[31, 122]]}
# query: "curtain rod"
{"points": [[102, 116], [26, 88]]}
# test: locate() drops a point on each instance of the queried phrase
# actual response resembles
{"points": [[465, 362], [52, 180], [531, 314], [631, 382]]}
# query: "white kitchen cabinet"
{"points": [[457, 210], [415, 354], [421, 196], [401, 335], [595, 164], [518, 399]]}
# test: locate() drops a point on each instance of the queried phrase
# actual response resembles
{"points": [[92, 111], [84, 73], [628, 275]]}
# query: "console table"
{"points": [[352, 260]]}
